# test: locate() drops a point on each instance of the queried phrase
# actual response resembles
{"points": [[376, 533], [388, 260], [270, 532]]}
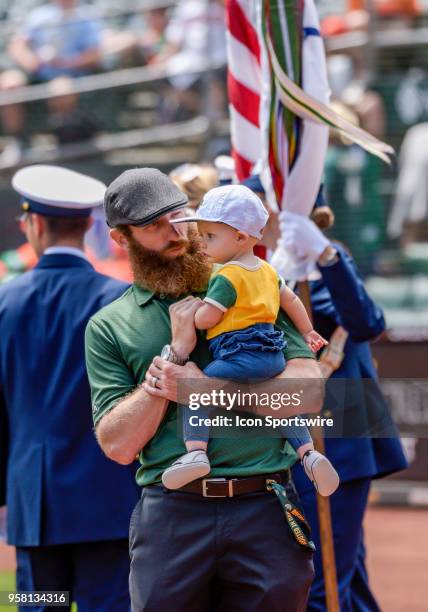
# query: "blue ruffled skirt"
{"points": [[259, 337]]}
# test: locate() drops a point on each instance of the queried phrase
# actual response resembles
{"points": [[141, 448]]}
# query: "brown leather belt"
{"points": [[231, 487]]}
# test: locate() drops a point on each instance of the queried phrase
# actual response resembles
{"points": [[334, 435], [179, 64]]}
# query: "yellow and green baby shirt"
{"points": [[246, 294]]}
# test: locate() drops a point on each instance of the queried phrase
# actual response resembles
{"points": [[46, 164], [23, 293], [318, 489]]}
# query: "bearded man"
{"points": [[221, 542]]}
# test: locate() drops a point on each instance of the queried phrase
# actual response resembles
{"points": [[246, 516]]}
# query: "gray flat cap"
{"points": [[140, 196]]}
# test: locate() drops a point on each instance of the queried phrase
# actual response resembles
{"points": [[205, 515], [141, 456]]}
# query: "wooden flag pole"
{"points": [[323, 503], [326, 539]]}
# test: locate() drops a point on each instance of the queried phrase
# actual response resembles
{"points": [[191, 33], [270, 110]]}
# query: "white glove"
{"points": [[289, 266], [301, 237]]}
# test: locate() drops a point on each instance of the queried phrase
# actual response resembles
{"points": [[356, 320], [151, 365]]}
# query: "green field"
{"points": [[7, 583]]}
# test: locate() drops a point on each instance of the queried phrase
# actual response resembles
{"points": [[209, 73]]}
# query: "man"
{"points": [[341, 307], [223, 540], [68, 506]]}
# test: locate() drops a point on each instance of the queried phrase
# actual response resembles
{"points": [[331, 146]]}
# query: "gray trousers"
{"points": [[195, 554]]}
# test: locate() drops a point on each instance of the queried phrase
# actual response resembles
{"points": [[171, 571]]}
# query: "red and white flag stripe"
{"points": [[244, 85]]}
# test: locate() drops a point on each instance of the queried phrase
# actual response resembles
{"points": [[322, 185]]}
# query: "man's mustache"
{"points": [[175, 245]]}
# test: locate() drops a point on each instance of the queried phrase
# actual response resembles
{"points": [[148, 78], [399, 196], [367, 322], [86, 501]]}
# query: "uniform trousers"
{"points": [[348, 505], [95, 574]]}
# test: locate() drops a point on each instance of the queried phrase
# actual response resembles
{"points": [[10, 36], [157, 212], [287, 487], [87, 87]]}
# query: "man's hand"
{"points": [[166, 374], [183, 330]]}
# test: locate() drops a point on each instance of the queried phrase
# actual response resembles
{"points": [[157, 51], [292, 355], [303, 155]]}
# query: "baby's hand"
{"points": [[314, 341]]}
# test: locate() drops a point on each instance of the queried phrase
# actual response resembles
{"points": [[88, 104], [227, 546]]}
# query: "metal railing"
{"points": [[107, 80]]}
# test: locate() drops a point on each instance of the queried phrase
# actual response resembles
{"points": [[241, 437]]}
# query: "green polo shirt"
{"points": [[121, 341]]}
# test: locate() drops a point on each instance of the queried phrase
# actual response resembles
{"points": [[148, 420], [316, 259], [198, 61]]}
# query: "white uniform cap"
{"points": [[59, 192], [234, 205], [225, 165]]}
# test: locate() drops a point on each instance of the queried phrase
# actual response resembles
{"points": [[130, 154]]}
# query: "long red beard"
{"points": [[173, 277]]}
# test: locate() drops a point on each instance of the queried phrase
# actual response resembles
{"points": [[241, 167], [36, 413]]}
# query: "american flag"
{"points": [[279, 95]]}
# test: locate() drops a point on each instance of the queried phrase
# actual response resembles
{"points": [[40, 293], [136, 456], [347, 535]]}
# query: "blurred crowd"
{"points": [[382, 87], [357, 16], [60, 40]]}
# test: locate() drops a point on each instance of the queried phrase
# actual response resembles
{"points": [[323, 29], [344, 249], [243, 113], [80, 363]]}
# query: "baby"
{"points": [[239, 312]]}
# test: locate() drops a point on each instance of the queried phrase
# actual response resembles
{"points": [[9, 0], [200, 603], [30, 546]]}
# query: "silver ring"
{"points": [[154, 381]]}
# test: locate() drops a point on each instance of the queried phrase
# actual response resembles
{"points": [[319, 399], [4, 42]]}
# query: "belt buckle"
{"points": [[205, 482]]}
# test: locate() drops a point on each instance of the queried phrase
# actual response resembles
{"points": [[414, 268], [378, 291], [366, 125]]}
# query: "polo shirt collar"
{"points": [[142, 296]]}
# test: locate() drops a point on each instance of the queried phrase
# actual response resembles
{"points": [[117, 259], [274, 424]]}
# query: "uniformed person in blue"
{"points": [[68, 505], [343, 313]]}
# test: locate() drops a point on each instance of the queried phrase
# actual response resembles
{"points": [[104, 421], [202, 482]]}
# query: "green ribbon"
{"points": [[296, 520]]}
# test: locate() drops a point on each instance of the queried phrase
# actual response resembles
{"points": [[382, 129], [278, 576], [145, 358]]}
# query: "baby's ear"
{"points": [[241, 236]]}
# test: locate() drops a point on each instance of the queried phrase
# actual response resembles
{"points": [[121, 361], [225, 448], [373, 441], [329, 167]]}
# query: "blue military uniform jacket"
{"points": [[339, 298], [58, 485]]}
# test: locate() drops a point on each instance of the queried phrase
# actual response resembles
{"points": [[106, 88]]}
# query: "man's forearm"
{"points": [[127, 428], [302, 377]]}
